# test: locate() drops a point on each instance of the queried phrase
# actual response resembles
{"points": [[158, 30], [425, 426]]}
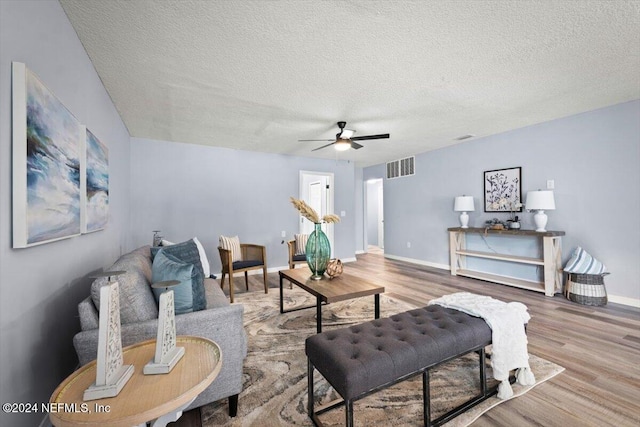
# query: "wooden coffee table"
{"points": [[344, 287], [156, 398]]}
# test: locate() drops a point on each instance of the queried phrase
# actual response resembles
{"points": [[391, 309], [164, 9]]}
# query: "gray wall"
{"points": [[594, 159], [41, 286], [190, 190]]}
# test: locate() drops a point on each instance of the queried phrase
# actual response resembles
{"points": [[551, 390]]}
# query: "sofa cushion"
{"points": [[188, 252], [168, 267], [137, 303], [88, 315], [215, 297]]}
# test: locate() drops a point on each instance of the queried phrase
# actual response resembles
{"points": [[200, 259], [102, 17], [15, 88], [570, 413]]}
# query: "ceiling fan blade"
{"points": [[315, 140], [355, 145], [324, 146], [363, 138]]}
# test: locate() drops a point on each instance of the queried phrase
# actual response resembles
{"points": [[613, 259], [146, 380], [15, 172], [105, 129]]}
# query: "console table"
{"points": [[158, 399], [551, 259]]}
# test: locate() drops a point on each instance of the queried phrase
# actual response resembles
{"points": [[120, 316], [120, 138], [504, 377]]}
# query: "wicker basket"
{"points": [[587, 289]]}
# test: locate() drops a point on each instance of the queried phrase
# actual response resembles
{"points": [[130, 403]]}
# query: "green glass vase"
{"points": [[318, 252]]}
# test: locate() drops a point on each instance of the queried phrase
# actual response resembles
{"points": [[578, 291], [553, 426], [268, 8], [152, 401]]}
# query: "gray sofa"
{"points": [[220, 321]]}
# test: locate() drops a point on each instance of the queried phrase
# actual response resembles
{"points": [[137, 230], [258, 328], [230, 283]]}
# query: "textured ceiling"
{"points": [[259, 75]]}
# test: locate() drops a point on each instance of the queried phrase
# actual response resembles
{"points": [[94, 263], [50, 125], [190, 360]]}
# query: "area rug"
{"points": [[275, 371]]}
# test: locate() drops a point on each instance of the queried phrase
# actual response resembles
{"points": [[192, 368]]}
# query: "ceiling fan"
{"points": [[345, 139]]}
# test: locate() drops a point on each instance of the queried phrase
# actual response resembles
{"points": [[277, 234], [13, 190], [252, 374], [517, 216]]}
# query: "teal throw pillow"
{"points": [[167, 267], [188, 252]]}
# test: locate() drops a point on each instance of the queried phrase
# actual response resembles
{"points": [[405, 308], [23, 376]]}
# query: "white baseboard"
{"points": [[360, 252], [418, 261], [633, 302]]}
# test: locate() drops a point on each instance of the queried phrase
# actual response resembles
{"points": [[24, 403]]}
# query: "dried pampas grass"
{"points": [[310, 213], [305, 210], [331, 218]]}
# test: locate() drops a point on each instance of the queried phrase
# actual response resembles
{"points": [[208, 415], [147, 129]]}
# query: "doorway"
{"points": [[375, 215], [316, 189]]}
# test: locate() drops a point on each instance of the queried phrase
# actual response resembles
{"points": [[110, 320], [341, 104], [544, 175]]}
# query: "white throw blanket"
{"points": [[509, 338]]}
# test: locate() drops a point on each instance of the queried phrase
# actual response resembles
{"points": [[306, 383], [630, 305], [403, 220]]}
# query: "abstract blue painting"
{"points": [[96, 185], [46, 163]]}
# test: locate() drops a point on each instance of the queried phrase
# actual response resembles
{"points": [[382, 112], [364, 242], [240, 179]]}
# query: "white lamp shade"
{"points": [[463, 204], [540, 200]]}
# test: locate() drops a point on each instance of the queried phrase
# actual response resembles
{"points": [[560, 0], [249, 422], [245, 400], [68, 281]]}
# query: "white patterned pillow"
{"points": [[581, 262], [301, 243], [203, 258], [232, 244]]}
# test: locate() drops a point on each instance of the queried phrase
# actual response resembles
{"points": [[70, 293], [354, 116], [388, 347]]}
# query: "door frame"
{"points": [[328, 195]]}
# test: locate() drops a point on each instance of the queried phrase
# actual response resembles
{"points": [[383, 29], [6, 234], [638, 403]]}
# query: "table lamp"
{"points": [[540, 200], [464, 204]]}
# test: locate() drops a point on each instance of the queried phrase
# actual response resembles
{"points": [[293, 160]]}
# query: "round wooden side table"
{"points": [[158, 399]]}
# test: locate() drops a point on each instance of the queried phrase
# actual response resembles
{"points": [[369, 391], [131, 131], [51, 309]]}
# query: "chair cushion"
{"points": [[246, 264], [301, 243], [232, 244], [188, 252], [302, 257], [168, 267]]}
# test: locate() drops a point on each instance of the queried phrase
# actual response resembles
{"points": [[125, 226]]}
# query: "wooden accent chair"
{"points": [[254, 257], [293, 258]]}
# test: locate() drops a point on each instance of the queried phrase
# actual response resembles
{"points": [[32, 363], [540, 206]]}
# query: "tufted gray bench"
{"points": [[368, 357]]}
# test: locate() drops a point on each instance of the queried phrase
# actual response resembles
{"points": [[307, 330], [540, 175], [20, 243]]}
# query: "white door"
{"points": [[316, 189], [314, 199]]}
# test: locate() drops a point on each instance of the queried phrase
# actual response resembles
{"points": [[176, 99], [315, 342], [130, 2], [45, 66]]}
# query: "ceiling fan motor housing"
{"points": [[341, 125]]}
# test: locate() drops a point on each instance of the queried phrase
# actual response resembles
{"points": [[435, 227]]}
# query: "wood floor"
{"points": [[598, 346]]}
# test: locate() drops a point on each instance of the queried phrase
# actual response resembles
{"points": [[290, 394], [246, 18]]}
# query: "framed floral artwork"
{"points": [[503, 190]]}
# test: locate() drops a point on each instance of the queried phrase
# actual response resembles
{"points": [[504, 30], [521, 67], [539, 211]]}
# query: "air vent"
{"points": [[402, 167]]}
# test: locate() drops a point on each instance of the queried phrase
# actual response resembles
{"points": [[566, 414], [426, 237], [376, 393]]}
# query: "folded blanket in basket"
{"points": [[581, 262]]}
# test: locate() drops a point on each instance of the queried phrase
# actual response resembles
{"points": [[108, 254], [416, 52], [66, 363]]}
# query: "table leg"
{"points": [[170, 417], [281, 298], [319, 314], [377, 305]]}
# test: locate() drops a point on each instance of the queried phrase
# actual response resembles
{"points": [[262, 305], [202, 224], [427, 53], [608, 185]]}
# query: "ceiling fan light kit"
{"points": [[345, 139], [342, 145]]}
